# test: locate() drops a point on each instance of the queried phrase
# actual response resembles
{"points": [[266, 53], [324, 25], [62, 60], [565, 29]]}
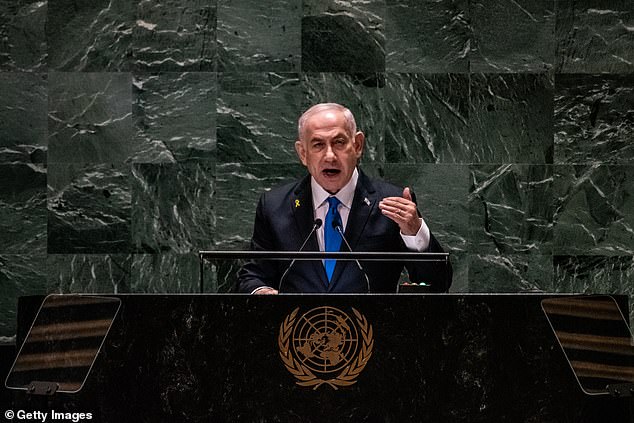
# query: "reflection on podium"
{"points": [[63, 343], [596, 340]]}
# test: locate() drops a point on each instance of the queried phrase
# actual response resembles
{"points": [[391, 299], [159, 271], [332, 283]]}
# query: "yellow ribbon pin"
{"points": [[296, 203]]}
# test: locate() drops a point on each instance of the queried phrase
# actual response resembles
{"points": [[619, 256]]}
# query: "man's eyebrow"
{"points": [[320, 138]]}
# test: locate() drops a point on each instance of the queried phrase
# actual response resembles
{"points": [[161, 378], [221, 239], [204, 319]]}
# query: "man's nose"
{"points": [[330, 153]]}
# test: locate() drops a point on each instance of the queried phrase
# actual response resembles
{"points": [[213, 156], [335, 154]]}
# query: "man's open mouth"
{"points": [[331, 172]]}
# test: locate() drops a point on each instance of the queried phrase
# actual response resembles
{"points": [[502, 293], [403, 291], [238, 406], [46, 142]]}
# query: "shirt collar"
{"points": [[345, 194]]}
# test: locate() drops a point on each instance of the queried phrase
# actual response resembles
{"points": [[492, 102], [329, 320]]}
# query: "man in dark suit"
{"points": [[373, 215]]}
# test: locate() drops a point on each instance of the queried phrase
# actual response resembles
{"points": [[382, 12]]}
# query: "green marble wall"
{"points": [[135, 133]]}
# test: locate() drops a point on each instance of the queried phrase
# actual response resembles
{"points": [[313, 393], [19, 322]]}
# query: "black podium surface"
{"points": [[316, 358]]}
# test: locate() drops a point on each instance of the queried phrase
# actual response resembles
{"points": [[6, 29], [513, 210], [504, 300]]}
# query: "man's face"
{"points": [[328, 150]]}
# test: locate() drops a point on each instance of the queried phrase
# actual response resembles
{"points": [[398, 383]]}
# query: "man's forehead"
{"points": [[328, 117], [325, 121]]}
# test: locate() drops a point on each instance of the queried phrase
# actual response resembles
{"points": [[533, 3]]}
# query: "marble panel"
{"points": [[362, 94], [88, 209], [512, 36], [22, 35], [23, 125], [595, 275], [258, 35], [170, 273], [460, 266], [175, 35], [175, 116], [443, 45], [92, 273], [595, 37], [342, 36], [511, 118], [594, 119], [594, 210], [221, 276], [511, 209], [239, 186], [510, 273], [173, 207], [23, 154], [90, 36], [427, 118], [441, 192], [20, 274], [22, 209], [257, 117], [90, 118]]}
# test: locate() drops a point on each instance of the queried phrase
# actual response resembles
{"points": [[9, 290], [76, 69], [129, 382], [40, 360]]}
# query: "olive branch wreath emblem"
{"points": [[305, 376]]}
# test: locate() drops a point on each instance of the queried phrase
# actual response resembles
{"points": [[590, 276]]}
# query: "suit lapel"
{"points": [[363, 203], [302, 210]]}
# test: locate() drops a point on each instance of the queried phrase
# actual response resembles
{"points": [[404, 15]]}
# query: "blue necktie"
{"points": [[332, 239]]}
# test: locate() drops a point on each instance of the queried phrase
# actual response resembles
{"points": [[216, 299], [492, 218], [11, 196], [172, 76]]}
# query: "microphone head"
{"points": [[336, 224], [318, 222]]}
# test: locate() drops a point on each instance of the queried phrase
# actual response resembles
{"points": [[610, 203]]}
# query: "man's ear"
{"points": [[300, 148], [359, 141]]}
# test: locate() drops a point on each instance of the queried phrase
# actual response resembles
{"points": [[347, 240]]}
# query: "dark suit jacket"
{"points": [[284, 218]]}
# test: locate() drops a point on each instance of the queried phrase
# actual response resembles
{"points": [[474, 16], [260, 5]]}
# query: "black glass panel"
{"points": [[63, 342], [595, 339]]}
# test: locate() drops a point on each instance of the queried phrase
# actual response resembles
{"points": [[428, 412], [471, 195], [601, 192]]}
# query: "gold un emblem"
{"points": [[325, 346]]}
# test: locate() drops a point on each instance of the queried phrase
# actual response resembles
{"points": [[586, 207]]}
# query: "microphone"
{"points": [[316, 225], [336, 224]]}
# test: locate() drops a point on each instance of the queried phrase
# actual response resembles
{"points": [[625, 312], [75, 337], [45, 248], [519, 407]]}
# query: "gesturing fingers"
{"points": [[402, 212], [399, 207]]}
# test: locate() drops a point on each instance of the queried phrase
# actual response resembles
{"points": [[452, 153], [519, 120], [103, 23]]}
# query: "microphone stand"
{"points": [[336, 224], [316, 225]]}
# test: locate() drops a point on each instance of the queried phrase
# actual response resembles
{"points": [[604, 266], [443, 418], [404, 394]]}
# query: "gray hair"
{"points": [[351, 124]]}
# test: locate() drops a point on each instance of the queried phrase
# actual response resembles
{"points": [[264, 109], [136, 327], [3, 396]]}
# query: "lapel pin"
{"points": [[296, 203], [366, 201]]}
